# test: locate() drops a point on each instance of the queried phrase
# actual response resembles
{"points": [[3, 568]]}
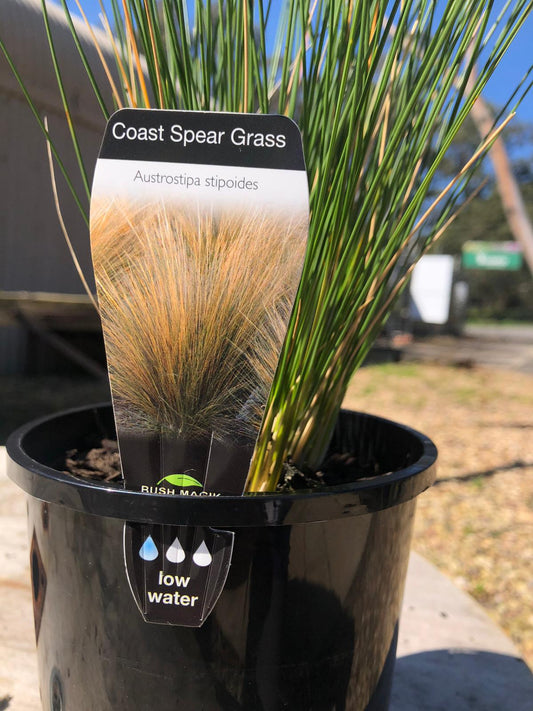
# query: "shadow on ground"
{"points": [[444, 680]]}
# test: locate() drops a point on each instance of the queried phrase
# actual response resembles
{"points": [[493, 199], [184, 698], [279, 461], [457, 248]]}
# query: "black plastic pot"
{"points": [[307, 620]]}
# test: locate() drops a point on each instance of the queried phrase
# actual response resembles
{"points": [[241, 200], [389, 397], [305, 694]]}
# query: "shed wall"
{"points": [[33, 252]]}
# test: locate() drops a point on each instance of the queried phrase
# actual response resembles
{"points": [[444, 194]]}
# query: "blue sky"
{"points": [[510, 71]]}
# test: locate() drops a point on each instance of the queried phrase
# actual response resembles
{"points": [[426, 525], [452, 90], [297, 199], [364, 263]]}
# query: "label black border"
{"points": [[225, 153]]}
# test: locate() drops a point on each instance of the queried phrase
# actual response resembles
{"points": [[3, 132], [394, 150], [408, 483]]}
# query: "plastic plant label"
{"points": [[176, 573], [198, 234]]}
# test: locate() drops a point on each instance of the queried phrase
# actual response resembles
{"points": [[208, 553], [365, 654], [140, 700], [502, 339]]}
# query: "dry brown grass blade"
{"points": [[481, 150], [438, 234], [245, 20], [118, 58], [130, 32], [154, 50], [64, 230], [101, 56]]}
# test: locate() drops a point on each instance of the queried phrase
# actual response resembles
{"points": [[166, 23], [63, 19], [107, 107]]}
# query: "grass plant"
{"points": [[380, 91], [217, 308]]}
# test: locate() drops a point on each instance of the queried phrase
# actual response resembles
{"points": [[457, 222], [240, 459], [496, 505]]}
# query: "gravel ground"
{"points": [[476, 523]]}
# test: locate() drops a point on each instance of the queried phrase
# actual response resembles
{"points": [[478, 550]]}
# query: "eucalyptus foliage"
{"points": [[379, 90]]}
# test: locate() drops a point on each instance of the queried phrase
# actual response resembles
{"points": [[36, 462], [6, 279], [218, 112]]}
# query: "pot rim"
{"points": [[362, 496]]}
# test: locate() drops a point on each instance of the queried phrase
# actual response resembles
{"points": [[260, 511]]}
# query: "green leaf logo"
{"points": [[181, 480]]}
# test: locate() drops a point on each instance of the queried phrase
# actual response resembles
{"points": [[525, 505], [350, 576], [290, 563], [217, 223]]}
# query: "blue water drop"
{"points": [[148, 550]]}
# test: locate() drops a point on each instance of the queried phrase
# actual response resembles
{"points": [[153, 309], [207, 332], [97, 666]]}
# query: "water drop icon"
{"points": [[148, 550], [175, 553], [202, 557]]}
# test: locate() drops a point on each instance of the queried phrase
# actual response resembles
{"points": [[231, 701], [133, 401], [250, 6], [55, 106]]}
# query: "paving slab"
{"points": [[451, 656]]}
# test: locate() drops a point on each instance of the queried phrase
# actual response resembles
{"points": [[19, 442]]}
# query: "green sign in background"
{"points": [[503, 256]]}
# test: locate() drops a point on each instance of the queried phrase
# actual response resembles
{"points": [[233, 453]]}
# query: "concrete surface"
{"points": [[451, 656]]}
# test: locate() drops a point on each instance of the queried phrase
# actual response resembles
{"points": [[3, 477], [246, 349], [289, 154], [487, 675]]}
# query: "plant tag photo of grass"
{"points": [[198, 236]]}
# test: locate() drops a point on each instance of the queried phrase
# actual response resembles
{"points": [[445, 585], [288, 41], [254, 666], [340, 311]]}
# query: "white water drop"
{"points": [[148, 550], [175, 553], [202, 557]]}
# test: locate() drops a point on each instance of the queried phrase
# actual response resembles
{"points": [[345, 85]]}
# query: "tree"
{"points": [[507, 186]]}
